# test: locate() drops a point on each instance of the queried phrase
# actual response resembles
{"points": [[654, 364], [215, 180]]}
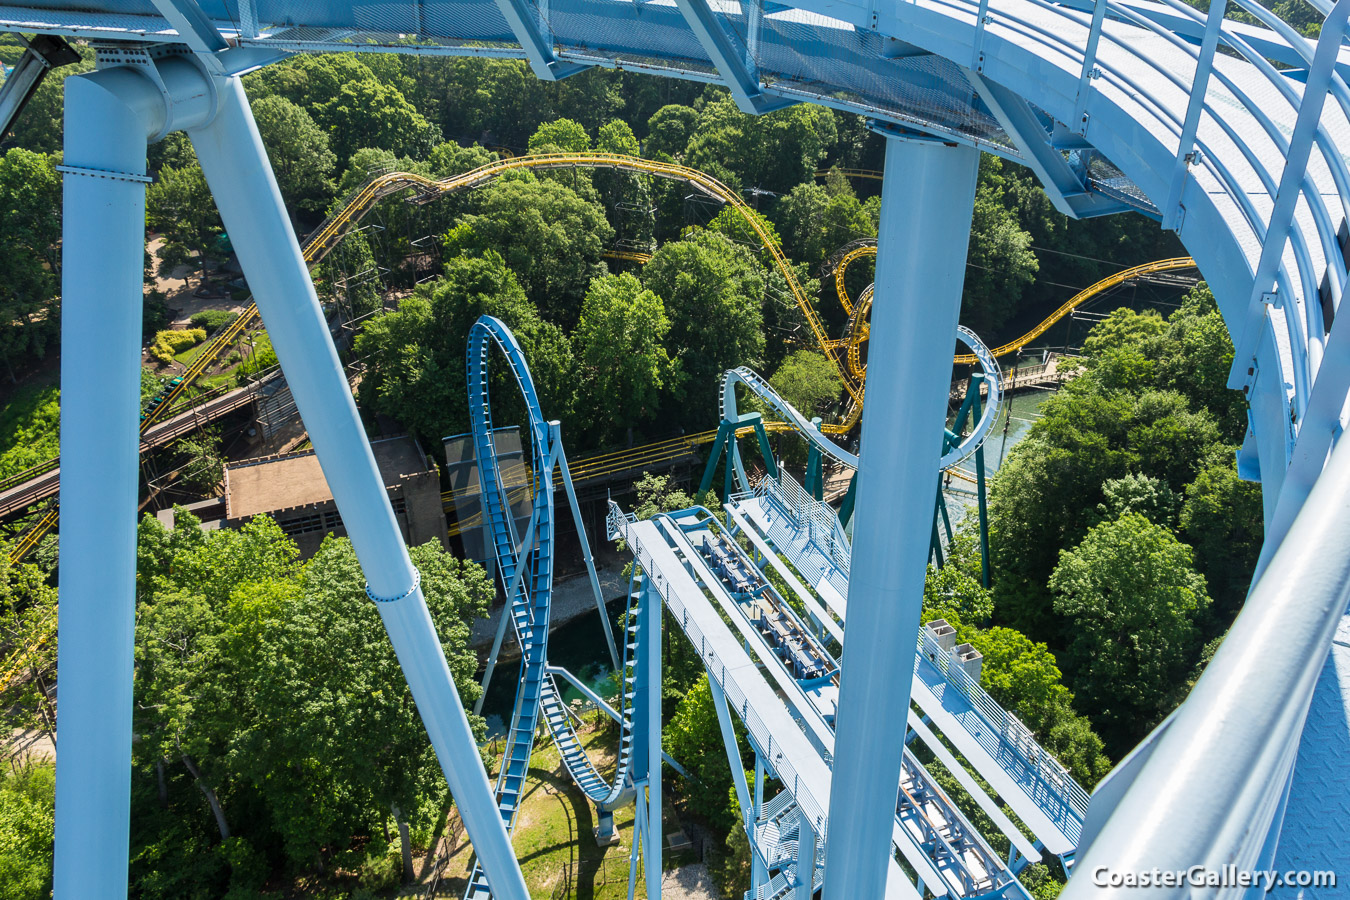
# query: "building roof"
{"points": [[266, 485]]}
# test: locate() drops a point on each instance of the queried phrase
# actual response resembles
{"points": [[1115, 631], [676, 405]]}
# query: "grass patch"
{"points": [[553, 836], [30, 428], [188, 355]]}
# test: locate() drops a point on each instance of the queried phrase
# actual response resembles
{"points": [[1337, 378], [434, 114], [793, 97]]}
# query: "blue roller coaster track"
{"points": [[525, 567], [1229, 131]]}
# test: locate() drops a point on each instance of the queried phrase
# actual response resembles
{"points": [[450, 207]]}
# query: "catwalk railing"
{"points": [[1060, 786], [769, 749]]}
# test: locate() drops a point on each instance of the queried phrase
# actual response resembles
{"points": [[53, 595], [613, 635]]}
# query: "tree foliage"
{"points": [[415, 369], [30, 230], [1134, 601], [27, 829], [179, 206], [269, 698], [713, 290], [624, 365], [299, 152], [808, 381], [551, 238]]}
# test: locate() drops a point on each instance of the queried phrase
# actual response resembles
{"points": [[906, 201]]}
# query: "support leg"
{"points": [[103, 234], [706, 484], [651, 852], [926, 204], [759, 872], [982, 500], [236, 168], [555, 437], [770, 464], [806, 859]]}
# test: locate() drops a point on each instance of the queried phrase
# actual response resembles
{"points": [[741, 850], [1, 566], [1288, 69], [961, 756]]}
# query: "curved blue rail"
{"points": [[765, 391], [529, 597]]}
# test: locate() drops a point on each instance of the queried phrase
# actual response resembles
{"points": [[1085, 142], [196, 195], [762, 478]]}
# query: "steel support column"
{"points": [[241, 180], [926, 203], [110, 116], [652, 609]]}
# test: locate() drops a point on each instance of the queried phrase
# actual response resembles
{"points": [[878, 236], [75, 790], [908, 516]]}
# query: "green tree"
{"points": [[713, 290], [956, 595], [27, 829], [1133, 599], [180, 207], [299, 152], [694, 738], [550, 237], [1003, 264], [815, 223], [624, 365], [773, 151], [30, 428], [625, 195], [370, 114], [808, 381], [1047, 493], [414, 356], [560, 135], [1196, 360], [334, 692], [1222, 519], [28, 644], [1024, 677], [1143, 494], [204, 468], [736, 225], [269, 693], [451, 159], [669, 130], [30, 230]]}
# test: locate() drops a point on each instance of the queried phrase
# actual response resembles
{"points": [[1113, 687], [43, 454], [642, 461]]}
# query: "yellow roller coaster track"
{"points": [[856, 331], [636, 256], [18, 660], [337, 225]]}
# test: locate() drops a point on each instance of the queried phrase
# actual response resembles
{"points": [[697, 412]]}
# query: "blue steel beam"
{"points": [[530, 25], [109, 116], [1063, 185], [237, 171], [733, 59], [1200, 87], [196, 30], [928, 194], [1321, 423]]}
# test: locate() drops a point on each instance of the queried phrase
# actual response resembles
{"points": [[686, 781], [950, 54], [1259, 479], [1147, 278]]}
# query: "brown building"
{"points": [[292, 490]]}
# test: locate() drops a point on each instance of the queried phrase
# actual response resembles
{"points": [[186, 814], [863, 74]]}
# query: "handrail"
{"points": [[802, 791], [1206, 795]]}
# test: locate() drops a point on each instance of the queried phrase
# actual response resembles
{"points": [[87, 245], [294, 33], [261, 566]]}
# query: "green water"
{"points": [[1014, 421], [577, 646]]}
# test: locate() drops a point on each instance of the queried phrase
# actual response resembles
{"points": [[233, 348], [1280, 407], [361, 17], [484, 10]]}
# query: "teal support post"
{"points": [[651, 613], [982, 500], [942, 510], [733, 463], [926, 203], [850, 498], [935, 542], [815, 481], [718, 445], [765, 450]]}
